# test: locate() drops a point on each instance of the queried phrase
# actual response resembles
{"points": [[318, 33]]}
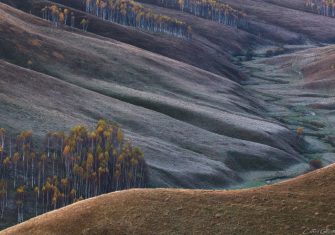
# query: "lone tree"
{"points": [[66, 15], [84, 24], [19, 203], [72, 20]]}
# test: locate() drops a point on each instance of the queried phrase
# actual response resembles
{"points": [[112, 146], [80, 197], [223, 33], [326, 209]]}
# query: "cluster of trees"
{"points": [[322, 7], [130, 13], [70, 168], [209, 9], [58, 16]]}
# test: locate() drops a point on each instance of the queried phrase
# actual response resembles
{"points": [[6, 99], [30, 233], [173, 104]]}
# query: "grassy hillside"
{"points": [[292, 207], [212, 45], [299, 91], [210, 48]]}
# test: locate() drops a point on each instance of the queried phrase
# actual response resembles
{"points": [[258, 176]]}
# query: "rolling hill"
{"points": [[296, 206]]}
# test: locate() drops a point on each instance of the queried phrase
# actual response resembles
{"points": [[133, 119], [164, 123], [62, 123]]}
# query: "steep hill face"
{"points": [[197, 129], [297, 206]]}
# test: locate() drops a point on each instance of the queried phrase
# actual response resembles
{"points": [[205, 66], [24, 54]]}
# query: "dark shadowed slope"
{"points": [[297, 206], [197, 129]]}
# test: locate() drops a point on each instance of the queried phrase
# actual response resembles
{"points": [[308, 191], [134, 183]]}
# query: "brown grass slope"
{"points": [[316, 65], [319, 72], [293, 207], [197, 129]]}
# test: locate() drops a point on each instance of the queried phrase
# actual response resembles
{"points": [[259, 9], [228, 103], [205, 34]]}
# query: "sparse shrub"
{"points": [[278, 51], [315, 164], [29, 63], [274, 52], [300, 131], [249, 55], [84, 24], [269, 53]]}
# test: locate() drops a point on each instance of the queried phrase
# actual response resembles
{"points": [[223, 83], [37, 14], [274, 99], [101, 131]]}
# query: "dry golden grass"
{"points": [[292, 207]]}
